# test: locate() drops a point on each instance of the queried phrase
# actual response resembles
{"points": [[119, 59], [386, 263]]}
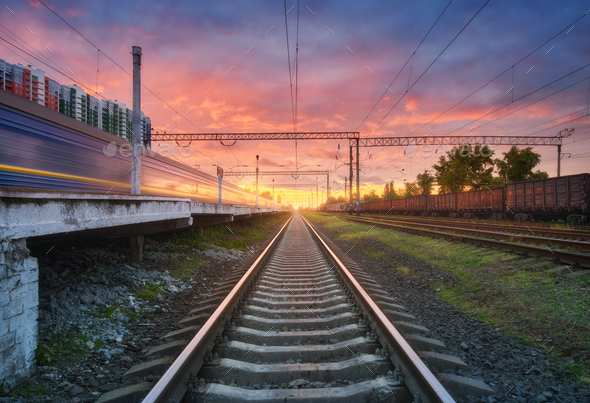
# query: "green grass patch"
{"points": [[110, 311], [28, 391], [66, 345], [150, 291]]}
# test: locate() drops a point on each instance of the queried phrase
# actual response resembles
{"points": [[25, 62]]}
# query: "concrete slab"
{"points": [[539, 265], [129, 394], [461, 386], [578, 273], [443, 361], [168, 349], [154, 367]]}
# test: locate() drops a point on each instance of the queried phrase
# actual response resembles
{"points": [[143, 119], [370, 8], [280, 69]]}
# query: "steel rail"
{"points": [[581, 232], [516, 224], [424, 379], [566, 257], [174, 383], [564, 243]]}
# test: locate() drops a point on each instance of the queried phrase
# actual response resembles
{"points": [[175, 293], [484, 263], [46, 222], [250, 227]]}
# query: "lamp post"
{"points": [[257, 181]]}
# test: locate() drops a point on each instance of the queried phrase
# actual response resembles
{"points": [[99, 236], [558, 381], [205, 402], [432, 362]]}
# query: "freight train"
{"points": [[46, 150], [564, 198]]}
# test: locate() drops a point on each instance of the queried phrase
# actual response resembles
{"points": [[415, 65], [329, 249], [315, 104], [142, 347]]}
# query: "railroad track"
{"points": [[508, 242], [304, 323], [530, 229]]}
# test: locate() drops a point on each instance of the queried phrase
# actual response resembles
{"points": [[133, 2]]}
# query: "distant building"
{"points": [[111, 116]]}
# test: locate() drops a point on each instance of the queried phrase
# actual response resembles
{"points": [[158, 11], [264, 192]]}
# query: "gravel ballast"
{"points": [[518, 373]]}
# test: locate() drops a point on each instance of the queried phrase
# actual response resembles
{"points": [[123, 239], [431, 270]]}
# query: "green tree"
{"points": [[371, 197], [517, 165], [424, 183], [410, 189], [266, 194], [465, 168], [389, 191]]}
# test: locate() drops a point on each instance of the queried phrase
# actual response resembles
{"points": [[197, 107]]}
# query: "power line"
{"points": [[289, 63], [503, 72], [405, 64], [117, 64], [428, 68], [524, 96]]}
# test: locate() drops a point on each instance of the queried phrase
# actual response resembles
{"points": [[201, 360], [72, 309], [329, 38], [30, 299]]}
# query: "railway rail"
{"points": [[507, 242], [559, 239], [304, 323], [581, 233]]}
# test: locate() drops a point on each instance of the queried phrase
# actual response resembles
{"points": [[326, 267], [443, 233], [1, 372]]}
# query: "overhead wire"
{"points": [[503, 72], [117, 64], [405, 64], [428, 68]]}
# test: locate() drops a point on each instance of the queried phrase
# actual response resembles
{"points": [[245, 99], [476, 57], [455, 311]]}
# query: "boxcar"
{"points": [[416, 203], [483, 201], [442, 203], [398, 206], [555, 198]]}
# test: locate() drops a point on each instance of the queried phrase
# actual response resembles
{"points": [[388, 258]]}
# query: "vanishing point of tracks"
{"points": [[305, 324]]}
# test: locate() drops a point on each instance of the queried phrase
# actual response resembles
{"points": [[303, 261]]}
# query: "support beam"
{"points": [[254, 136], [358, 186], [350, 183], [206, 221], [136, 246], [136, 139], [559, 160]]}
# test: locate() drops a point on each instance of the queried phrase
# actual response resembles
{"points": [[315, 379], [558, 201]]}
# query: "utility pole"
{"points": [[136, 139], [350, 184], [358, 188], [257, 181], [345, 180], [273, 193]]}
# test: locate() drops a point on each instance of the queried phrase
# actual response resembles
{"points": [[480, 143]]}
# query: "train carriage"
{"points": [[441, 203], [552, 198]]}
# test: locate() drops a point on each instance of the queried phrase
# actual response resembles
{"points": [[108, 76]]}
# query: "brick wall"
{"points": [[19, 301]]}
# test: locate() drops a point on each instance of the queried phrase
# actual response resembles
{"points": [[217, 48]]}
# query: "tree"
{"points": [[517, 165], [410, 189], [278, 199], [424, 183], [389, 191], [266, 194], [465, 168], [371, 197]]}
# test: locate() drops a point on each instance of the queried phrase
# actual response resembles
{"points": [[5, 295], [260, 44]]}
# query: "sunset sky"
{"points": [[222, 66]]}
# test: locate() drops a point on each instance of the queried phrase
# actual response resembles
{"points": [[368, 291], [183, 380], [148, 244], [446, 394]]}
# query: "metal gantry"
{"points": [[254, 136], [354, 140]]}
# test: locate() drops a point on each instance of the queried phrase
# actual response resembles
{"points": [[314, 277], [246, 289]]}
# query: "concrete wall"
{"points": [[19, 301]]}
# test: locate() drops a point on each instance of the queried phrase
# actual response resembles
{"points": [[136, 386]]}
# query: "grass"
{"points": [[28, 391], [66, 345], [536, 307], [109, 312], [150, 291], [235, 235]]}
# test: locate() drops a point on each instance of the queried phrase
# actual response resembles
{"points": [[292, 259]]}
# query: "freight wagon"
{"points": [[565, 198]]}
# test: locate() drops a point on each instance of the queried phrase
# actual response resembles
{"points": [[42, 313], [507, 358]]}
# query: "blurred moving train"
{"points": [[564, 198], [46, 150]]}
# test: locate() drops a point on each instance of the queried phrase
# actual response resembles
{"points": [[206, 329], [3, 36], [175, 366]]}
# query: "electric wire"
{"points": [[428, 68], [117, 64], [405, 64], [503, 72]]}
